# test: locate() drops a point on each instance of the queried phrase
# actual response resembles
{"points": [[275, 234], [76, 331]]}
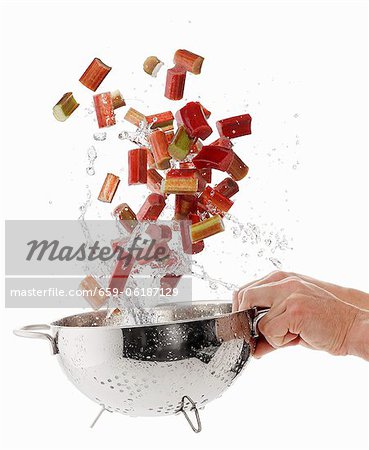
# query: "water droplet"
{"points": [[100, 136]]}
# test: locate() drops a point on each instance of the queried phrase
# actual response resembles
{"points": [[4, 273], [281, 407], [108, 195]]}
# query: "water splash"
{"points": [[91, 155], [84, 207], [198, 271], [100, 136], [139, 136]]}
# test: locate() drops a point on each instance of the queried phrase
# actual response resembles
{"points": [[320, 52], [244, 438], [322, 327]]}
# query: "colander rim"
{"points": [[57, 323]]}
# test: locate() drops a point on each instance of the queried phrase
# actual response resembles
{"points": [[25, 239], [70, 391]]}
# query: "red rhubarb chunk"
{"points": [[213, 157], [154, 180], [160, 120], [237, 169], [188, 173], [104, 110], [188, 246], [152, 208], [234, 127], [176, 79], [126, 216], [137, 166], [214, 201], [227, 187], [184, 205], [192, 117], [168, 282], [159, 147]]}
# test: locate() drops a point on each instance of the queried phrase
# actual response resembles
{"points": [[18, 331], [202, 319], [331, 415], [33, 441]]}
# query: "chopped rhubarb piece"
{"points": [[161, 120], [137, 166], [227, 187], [190, 173], [238, 169], [206, 228], [188, 246], [117, 98], [126, 216], [159, 147], [175, 84], [104, 110], [206, 112], [214, 201], [94, 74], [93, 292], [134, 117], [180, 185], [168, 282], [159, 232], [193, 119], [179, 148], [121, 273], [234, 127], [152, 208], [154, 180], [109, 188], [152, 65], [213, 157], [189, 61], [65, 107], [184, 205]]}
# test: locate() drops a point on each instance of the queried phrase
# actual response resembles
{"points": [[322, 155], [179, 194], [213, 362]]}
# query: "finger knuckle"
{"points": [[294, 282], [278, 275]]}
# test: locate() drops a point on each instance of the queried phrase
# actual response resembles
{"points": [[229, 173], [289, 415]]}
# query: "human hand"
{"points": [[304, 313], [352, 296]]}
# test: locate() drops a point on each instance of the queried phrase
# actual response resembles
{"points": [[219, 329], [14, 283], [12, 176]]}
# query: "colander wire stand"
{"points": [[198, 426], [98, 416]]}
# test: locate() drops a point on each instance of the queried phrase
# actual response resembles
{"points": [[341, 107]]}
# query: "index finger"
{"points": [[268, 295]]}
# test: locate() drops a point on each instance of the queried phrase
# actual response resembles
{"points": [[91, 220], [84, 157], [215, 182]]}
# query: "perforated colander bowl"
{"points": [[187, 356]]}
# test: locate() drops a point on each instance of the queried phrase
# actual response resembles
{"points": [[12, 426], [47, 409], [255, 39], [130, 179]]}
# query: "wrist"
{"points": [[358, 337]]}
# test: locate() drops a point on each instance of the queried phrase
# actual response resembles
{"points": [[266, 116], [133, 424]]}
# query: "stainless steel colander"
{"points": [[187, 356]]}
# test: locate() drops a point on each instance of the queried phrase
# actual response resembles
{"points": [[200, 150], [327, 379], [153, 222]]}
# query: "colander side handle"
{"points": [[259, 313], [33, 331]]}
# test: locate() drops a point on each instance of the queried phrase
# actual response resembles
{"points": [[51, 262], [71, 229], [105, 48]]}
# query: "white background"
{"points": [[300, 69]]}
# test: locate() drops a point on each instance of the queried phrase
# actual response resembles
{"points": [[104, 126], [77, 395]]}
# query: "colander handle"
{"points": [[195, 427], [32, 331], [259, 313]]}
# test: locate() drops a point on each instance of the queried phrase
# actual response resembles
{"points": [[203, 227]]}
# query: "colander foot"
{"points": [[98, 416], [196, 428]]}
